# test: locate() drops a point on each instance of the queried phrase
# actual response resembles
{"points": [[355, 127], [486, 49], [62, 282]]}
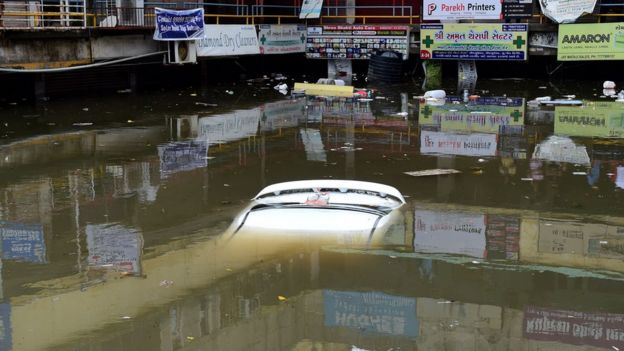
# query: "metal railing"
{"points": [[40, 14]]}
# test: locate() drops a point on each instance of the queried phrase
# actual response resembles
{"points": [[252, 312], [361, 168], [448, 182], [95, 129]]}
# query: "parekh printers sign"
{"points": [[566, 11], [467, 41], [179, 25], [591, 42], [461, 9], [228, 40], [282, 39]]}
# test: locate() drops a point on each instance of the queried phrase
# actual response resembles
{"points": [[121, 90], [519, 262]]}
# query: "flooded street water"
{"points": [[112, 211]]}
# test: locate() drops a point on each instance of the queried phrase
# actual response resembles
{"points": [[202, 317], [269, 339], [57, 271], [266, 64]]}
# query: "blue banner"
{"points": [[6, 340], [371, 312], [23, 242], [179, 25]]}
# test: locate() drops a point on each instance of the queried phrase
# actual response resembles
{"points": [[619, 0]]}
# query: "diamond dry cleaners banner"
{"points": [[466, 41], [228, 40], [444, 10], [591, 42], [179, 25]]}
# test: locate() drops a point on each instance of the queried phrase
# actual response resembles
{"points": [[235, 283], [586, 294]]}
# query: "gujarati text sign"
{"points": [[282, 39], [467, 41]]}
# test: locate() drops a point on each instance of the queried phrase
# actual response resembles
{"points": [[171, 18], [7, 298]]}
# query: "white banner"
{"points": [[228, 40], [444, 10], [454, 233], [561, 149], [566, 11], [311, 9], [458, 144], [282, 39]]}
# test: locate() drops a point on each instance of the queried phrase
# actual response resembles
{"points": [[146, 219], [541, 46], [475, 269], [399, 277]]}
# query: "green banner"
{"points": [[596, 119], [591, 42], [472, 41]]}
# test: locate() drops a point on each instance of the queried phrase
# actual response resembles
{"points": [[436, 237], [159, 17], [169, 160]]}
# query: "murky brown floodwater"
{"points": [[111, 212]]}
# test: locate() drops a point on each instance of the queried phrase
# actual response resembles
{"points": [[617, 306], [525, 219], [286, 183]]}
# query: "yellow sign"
{"points": [[595, 119], [591, 41]]}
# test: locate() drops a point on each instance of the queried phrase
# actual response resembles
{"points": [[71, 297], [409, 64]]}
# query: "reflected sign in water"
{"points": [[458, 144], [6, 340], [182, 156], [574, 328], [371, 312], [114, 247], [23, 242], [486, 115], [604, 119], [454, 233], [562, 150], [228, 127]]}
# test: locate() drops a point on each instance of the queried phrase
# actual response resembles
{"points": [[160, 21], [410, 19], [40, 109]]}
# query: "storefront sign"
{"points": [[228, 40], [567, 237], [355, 41], [448, 232], [311, 9], [566, 11], [371, 312], [465, 41], [179, 25], [444, 10], [282, 39], [114, 247], [458, 144], [503, 237], [605, 330], [591, 42], [517, 8], [596, 119], [23, 242]]}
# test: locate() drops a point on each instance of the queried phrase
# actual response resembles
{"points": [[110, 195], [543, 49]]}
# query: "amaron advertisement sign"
{"points": [[591, 42], [371, 312], [355, 41], [468, 41], [282, 39], [605, 330], [228, 40], [566, 11], [179, 25], [444, 10]]}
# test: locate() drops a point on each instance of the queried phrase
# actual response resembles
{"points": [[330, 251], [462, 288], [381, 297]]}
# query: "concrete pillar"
{"points": [[132, 80]]}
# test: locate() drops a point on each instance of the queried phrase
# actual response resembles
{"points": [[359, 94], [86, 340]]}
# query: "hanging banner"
{"points": [[445, 10], [311, 9], [371, 312], [228, 40], [517, 8], [467, 41], [179, 25], [566, 11], [282, 39], [355, 41], [591, 42], [450, 233], [458, 144]]}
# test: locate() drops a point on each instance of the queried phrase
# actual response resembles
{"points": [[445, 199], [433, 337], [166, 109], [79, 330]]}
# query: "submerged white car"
{"points": [[345, 211]]}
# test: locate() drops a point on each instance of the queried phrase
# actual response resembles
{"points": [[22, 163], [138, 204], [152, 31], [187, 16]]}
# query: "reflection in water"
{"points": [[523, 250]]}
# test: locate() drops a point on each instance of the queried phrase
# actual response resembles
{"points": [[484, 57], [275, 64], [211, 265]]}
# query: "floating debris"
{"points": [[82, 124], [432, 172]]}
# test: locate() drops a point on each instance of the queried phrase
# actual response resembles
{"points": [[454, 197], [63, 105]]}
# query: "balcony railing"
{"points": [[51, 14]]}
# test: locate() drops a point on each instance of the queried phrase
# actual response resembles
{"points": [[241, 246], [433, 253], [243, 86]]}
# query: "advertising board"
{"points": [[282, 39], [179, 25], [445, 10], [591, 42], [228, 40]]}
